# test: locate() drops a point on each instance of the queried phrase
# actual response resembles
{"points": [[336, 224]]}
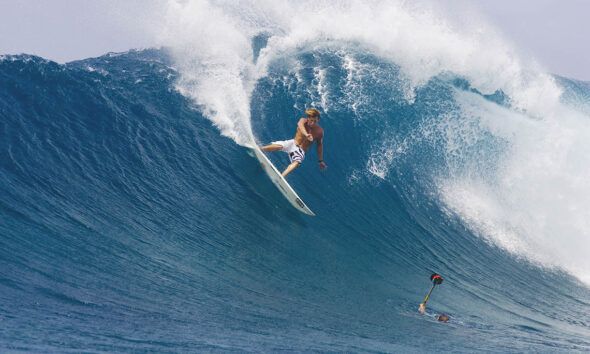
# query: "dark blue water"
{"points": [[128, 223]]}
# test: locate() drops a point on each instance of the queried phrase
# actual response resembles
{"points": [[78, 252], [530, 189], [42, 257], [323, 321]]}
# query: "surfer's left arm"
{"points": [[320, 147]]}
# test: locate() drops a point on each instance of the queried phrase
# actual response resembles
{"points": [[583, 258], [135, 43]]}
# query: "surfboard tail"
{"points": [[279, 181]]}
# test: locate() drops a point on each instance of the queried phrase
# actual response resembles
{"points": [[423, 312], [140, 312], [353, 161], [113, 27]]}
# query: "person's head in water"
{"points": [[443, 318]]}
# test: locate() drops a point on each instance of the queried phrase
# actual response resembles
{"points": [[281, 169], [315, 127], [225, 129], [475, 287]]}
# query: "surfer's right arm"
{"points": [[302, 130]]}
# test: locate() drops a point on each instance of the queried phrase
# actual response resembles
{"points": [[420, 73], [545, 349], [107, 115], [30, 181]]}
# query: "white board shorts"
{"points": [[292, 149]]}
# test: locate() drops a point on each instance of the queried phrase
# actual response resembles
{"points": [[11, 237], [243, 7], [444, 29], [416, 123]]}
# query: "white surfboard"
{"points": [[279, 181]]}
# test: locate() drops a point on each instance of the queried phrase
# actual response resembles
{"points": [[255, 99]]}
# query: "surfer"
{"points": [[308, 132]]}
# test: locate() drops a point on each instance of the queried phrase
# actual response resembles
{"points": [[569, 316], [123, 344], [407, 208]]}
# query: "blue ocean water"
{"points": [[129, 223]]}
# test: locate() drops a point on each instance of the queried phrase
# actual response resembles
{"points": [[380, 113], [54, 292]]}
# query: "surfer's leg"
{"points": [[290, 168], [272, 147]]}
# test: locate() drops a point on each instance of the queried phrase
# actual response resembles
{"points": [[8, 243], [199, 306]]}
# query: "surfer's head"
{"points": [[443, 318], [312, 113]]}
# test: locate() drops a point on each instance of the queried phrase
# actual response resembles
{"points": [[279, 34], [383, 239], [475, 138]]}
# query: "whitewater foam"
{"points": [[215, 60], [533, 200], [211, 42]]}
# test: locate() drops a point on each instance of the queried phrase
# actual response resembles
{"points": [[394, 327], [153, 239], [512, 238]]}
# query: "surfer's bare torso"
{"points": [[306, 128]]}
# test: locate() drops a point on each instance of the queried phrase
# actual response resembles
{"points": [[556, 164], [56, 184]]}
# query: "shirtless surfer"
{"points": [[308, 131]]}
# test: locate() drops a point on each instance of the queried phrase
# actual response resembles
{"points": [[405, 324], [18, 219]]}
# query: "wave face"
{"points": [[132, 219]]}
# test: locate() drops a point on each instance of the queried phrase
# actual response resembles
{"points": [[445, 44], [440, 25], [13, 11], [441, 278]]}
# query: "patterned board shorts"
{"points": [[292, 149]]}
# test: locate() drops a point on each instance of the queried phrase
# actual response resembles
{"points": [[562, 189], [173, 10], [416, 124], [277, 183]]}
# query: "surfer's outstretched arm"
{"points": [[320, 147]]}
